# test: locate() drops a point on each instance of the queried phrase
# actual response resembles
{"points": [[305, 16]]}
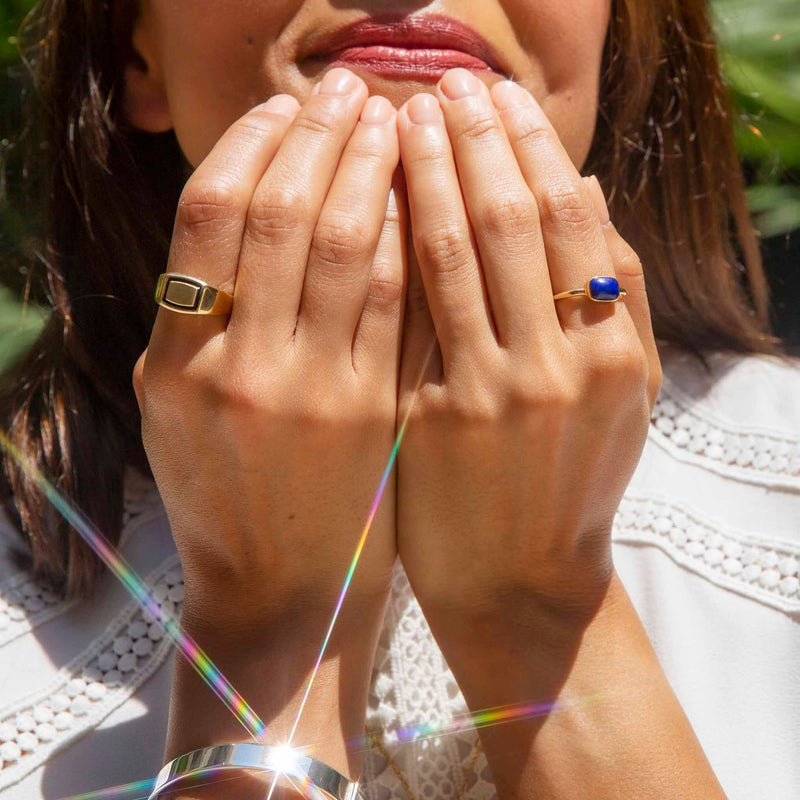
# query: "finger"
{"points": [[377, 342], [346, 238], [442, 235], [574, 243], [211, 214], [629, 271], [422, 356], [502, 211], [285, 208]]}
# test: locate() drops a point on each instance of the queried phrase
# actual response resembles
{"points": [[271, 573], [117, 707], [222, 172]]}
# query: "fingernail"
{"points": [[459, 82], [377, 111], [599, 199], [508, 94], [339, 81], [283, 104], [423, 109]]}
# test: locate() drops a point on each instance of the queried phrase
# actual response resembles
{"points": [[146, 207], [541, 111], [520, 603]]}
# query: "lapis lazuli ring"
{"points": [[600, 289]]}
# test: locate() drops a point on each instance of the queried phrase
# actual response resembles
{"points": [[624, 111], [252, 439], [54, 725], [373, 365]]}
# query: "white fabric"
{"points": [[707, 541]]}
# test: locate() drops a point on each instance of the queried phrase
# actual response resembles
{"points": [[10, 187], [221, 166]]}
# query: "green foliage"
{"points": [[760, 44], [11, 13]]}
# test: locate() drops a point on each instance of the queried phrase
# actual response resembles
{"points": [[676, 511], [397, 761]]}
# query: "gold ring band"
{"points": [[187, 295], [600, 289]]}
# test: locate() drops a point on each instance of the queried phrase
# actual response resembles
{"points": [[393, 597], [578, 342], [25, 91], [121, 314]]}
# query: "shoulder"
{"points": [[740, 417], [707, 542], [718, 485]]}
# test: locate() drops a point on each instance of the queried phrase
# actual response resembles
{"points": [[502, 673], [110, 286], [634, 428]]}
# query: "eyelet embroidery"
{"points": [[26, 603], [764, 570], [755, 455], [92, 685], [411, 684]]}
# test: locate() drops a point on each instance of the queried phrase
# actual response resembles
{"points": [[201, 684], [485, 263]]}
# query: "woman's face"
{"points": [[210, 61]]}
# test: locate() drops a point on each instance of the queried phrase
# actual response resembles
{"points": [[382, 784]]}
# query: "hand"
{"points": [[529, 422], [268, 432], [533, 413]]}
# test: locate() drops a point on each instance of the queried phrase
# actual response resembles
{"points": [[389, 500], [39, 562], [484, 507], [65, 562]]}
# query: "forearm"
{"points": [[270, 665], [620, 732]]}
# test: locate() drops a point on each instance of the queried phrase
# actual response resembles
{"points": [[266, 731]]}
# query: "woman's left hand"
{"points": [[532, 414], [524, 431]]}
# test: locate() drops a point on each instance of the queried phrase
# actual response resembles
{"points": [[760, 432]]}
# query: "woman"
{"points": [[394, 235]]}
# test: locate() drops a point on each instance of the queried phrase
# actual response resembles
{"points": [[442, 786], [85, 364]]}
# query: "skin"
{"points": [[352, 246]]}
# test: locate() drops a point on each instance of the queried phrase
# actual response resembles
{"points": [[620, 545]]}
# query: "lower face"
{"points": [[219, 58]]}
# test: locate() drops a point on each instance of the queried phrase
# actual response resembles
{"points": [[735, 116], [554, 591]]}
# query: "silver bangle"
{"points": [[261, 758]]}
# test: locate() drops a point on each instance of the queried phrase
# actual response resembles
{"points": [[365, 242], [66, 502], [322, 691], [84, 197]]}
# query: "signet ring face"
{"points": [[184, 294]]}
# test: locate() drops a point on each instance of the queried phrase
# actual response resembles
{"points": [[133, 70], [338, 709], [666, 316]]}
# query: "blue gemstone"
{"points": [[604, 289]]}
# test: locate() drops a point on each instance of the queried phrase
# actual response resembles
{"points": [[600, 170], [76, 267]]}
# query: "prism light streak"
{"points": [[140, 790], [142, 594], [360, 547], [476, 720]]}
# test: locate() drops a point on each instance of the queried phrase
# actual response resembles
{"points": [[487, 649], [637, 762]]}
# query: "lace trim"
{"points": [[756, 455], [760, 568], [26, 603], [92, 685], [411, 684]]}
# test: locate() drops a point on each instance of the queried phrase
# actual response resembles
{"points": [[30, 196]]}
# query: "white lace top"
{"points": [[707, 541]]}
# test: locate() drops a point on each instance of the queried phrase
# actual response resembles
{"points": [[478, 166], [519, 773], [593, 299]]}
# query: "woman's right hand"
{"points": [[268, 433]]}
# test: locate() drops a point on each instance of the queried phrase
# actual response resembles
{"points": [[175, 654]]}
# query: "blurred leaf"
{"points": [[760, 49], [19, 326]]}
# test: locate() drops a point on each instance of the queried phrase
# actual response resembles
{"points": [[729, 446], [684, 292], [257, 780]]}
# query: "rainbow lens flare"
{"points": [[474, 720], [362, 541], [143, 595]]}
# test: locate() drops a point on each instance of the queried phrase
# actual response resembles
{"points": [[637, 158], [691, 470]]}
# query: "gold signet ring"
{"points": [[187, 295]]}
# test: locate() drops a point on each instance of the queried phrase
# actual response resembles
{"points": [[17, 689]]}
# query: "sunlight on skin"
{"points": [[284, 761], [186, 645], [141, 592]]}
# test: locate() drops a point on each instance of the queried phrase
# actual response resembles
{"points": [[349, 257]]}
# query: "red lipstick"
{"points": [[422, 47]]}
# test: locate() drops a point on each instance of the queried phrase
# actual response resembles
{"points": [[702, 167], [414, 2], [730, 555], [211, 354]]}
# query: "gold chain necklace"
{"points": [[374, 738]]}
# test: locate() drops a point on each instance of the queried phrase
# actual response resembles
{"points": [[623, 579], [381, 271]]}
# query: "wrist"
{"points": [[517, 648], [270, 663]]}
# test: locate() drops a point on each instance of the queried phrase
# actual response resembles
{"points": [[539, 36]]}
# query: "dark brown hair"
{"points": [[663, 150]]}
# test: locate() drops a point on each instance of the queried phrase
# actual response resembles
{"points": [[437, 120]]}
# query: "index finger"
{"points": [[211, 214]]}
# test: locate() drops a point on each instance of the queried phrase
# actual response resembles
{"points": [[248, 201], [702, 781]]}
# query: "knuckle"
{"points": [[257, 124], [368, 156], [621, 363], [568, 207], [629, 266], [323, 123], [510, 215], [275, 213], [341, 243], [554, 386], [655, 381], [527, 133], [444, 249], [207, 207], [478, 126], [385, 295], [138, 376], [236, 395], [428, 160], [475, 409]]}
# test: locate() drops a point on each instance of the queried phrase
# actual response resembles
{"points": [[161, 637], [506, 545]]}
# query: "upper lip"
{"points": [[419, 31]]}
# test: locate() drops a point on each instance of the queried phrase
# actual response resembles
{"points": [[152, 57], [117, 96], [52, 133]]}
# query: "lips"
{"points": [[423, 46]]}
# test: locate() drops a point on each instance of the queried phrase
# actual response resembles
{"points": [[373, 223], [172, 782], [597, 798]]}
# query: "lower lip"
{"points": [[403, 62]]}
